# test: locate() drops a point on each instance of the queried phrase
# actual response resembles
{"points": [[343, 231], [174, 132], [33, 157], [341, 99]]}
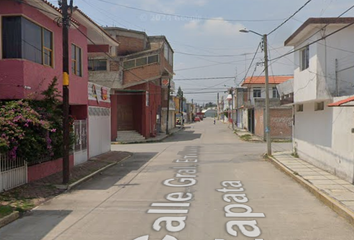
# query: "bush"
{"points": [[33, 129], [22, 131]]}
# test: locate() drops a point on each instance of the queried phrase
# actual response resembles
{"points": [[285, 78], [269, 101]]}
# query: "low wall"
{"points": [[45, 169]]}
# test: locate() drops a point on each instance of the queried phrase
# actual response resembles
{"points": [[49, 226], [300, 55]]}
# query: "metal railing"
{"points": [[13, 172]]}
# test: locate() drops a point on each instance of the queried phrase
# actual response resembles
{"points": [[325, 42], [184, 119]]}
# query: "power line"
{"points": [[120, 64], [206, 55], [289, 17], [255, 53], [191, 17], [206, 78], [41, 9], [322, 28]]}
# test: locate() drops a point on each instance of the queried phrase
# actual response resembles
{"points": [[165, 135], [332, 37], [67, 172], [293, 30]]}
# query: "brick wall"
{"points": [[128, 45], [259, 122], [113, 65], [145, 73], [281, 123]]}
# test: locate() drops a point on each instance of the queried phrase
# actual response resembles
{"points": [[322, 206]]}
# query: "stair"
{"points": [[129, 137]]}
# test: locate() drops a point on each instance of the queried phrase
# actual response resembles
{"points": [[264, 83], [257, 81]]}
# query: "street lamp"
{"points": [[267, 118]]}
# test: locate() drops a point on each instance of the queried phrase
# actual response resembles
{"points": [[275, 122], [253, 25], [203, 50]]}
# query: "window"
{"points": [[168, 54], [256, 92], [304, 58], [275, 93], [319, 106], [26, 40], [299, 108], [129, 64], [153, 59], [76, 67], [141, 61], [97, 65]]}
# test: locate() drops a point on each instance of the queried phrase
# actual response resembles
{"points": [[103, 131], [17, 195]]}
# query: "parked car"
{"points": [[196, 119]]}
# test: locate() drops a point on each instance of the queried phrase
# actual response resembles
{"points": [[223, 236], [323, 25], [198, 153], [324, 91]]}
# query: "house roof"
{"points": [[348, 102], [261, 80], [306, 27]]}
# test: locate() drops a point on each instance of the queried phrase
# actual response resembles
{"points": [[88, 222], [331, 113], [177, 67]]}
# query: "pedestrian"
{"points": [[214, 121]]}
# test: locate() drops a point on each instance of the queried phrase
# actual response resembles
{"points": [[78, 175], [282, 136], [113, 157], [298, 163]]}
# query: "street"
{"points": [[202, 183]]}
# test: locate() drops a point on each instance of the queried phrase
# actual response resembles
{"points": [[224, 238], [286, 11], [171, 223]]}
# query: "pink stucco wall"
{"points": [[45, 169], [17, 73]]}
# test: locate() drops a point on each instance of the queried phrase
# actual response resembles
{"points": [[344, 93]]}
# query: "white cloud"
{"points": [[214, 27]]}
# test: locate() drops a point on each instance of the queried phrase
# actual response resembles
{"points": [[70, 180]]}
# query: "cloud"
{"points": [[214, 27]]}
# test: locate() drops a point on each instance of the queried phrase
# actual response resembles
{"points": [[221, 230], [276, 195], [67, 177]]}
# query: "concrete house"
{"points": [[138, 78], [253, 107], [323, 76], [31, 56]]}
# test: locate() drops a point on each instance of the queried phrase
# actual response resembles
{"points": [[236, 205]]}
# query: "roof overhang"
{"points": [[46, 8], [312, 24], [348, 102], [96, 33]]}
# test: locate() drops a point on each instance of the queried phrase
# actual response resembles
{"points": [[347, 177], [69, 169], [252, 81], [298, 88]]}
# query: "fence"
{"points": [[13, 172]]}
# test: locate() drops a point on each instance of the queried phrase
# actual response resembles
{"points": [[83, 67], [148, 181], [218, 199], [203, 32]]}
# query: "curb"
{"points": [[332, 203], [9, 218], [72, 185]]}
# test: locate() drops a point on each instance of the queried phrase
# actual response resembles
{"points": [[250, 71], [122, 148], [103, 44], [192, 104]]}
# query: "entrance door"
{"points": [[251, 120], [125, 117]]}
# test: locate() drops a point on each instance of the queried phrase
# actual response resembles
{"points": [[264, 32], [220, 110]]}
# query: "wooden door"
{"points": [[125, 117]]}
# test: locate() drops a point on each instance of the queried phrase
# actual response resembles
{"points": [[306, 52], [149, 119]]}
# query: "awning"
{"points": [[348, 102]]}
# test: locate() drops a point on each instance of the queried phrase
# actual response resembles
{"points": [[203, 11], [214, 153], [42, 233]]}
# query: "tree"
{"points": [[209, 105], [179, 92]]}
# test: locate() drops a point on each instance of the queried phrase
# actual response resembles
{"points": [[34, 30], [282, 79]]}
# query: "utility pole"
{"points": [[66, 132], [337, 82], [168, 104], [192, 111], [267, 118], [267, 130], [232, 108], [217, 106], [182, 110]]}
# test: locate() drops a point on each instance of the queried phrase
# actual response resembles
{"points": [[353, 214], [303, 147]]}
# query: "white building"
{"points": [[324, 70]]}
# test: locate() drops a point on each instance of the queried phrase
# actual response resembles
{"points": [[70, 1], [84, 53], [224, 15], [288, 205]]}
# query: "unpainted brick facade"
{"points": [[280, 123]]}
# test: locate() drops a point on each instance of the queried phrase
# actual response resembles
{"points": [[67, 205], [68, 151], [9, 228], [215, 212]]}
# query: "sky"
{"points": [[211, 54]]}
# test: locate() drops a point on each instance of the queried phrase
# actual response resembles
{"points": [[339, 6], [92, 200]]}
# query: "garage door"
{"points": [[99, 131]]}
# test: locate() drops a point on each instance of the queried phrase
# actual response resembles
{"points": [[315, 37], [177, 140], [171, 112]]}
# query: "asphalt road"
{"points": [[201, 184]]}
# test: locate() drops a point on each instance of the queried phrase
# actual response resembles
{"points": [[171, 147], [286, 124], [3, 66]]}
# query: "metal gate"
{"points": [[80, 146], [13, 172]]}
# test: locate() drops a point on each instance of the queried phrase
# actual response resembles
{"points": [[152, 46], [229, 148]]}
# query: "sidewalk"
{"points": [[160, 137], [244, 134], [331, 190], [28, 196]]}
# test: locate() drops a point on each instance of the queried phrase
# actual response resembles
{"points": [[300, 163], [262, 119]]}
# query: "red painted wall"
{"points": [[97, 48], [14, 74], [45, 169]]}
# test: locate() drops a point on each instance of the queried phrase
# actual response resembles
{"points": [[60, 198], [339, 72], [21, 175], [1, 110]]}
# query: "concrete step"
{"points": [[129, 136]]}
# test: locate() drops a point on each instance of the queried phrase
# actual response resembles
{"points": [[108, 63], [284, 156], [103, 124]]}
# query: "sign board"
{"points": [[98, 93], [165, 82]]}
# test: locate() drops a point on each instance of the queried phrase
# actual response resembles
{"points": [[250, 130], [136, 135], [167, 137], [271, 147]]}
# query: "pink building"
{"points": [[31, 56]]}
